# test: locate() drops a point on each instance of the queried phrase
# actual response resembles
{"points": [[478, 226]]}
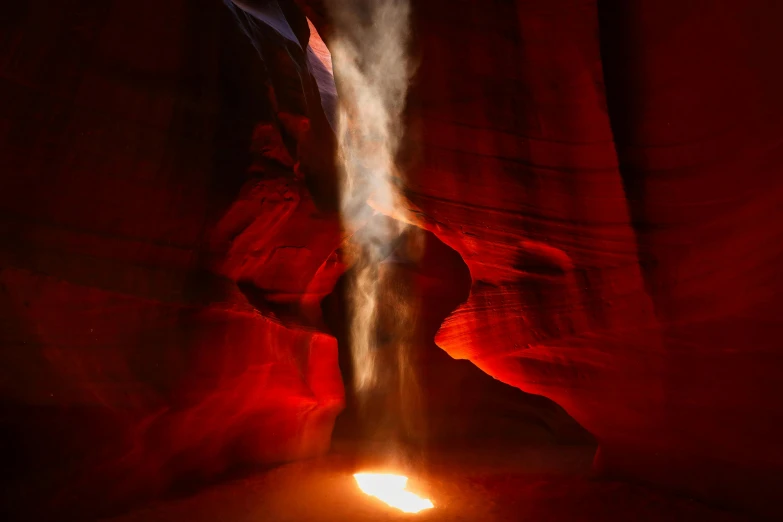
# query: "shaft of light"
{"points": [[372, 71], [390, 489]]}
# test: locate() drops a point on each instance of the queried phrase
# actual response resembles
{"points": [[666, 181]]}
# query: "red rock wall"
{"points": [[624, 256], [698, 119], [130, 356]]}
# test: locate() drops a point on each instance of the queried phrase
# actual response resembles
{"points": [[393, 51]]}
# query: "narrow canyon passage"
{"points": [[576, 315]]}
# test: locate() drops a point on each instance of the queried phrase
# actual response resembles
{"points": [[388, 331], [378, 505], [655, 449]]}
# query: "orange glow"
{"points": [[391, 490]]}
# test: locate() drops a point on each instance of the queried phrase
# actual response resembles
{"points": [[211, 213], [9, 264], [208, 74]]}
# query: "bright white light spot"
{"points": [[391, 490]]}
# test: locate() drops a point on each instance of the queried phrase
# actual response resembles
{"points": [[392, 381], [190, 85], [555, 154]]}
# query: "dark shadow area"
{"points": [[48, 447], [625, 94], [240, 81]]}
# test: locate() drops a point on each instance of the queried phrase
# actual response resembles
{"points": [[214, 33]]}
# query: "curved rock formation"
{"points": [[639, 294]]}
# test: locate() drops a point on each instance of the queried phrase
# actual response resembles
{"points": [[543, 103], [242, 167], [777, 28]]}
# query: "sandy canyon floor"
{"points": [[528, 484]]}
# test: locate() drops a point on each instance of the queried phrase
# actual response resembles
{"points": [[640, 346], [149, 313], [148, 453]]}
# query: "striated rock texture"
{"points": [[518, 173], [610, 173]]}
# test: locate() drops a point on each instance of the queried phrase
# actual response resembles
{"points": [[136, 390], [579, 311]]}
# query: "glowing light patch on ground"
{"points": [[391, 490]]}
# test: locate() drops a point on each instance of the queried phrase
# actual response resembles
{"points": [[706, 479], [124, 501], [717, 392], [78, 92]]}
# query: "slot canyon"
{"points": [[570, 272]]}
